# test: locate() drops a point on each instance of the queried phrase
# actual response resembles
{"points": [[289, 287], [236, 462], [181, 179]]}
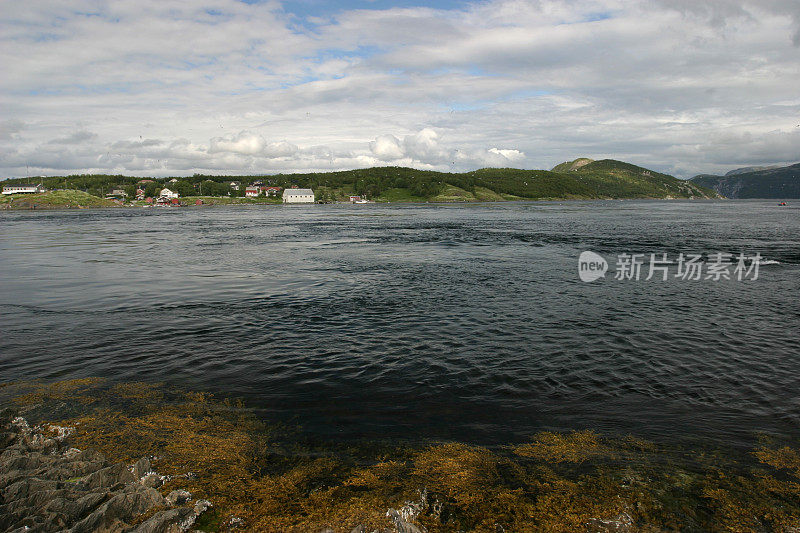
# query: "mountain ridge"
{"points": [[582, 178], [767, 182]]}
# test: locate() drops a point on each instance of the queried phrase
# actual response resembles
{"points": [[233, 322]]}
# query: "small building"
{"points": [[166, 193], [140, 194], [355, 199], [298, 196], [20, 189], [252, 191], [166, 201], [271, 191], [117, 193], [235, 185]]}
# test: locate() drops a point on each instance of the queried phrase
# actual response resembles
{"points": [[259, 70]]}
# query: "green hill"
{"points": [[773, 182], [616, 179], [62, 199], [568, 166], [579, 179]]}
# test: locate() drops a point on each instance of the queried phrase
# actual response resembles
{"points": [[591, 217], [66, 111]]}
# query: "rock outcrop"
{"points": [[46, 486]]}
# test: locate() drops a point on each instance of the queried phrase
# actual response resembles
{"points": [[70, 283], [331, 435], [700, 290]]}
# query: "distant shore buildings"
{"points": [[22, 189], [298, 196], [258, 188], [117, 194], [167, 193]]}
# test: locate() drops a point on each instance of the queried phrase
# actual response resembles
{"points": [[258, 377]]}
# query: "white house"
{"points": [[166, 193], [298, 196], [18, 189]]}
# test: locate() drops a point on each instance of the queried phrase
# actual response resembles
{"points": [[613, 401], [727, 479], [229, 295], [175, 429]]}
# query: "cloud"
{"points": [[76, 138], [387, 148], [9, 129], [242, 143], [677, 86], [423, 147], [280, 149], [132, 145], [253, 144], [511, 155]]}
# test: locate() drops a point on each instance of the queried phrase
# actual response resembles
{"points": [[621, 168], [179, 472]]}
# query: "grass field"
{"points": [[68, 199]]}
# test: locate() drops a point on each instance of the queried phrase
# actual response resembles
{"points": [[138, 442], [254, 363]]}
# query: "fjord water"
{"points": [[418, 321]]}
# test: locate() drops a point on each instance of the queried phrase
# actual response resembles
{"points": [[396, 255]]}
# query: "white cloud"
{"points": [[280, 149], [94, 86], [511, 155], [243, 143], [387, 148], [424, 146]]}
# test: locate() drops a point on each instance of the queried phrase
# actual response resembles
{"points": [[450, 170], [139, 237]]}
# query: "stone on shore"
{"points": [[47, 486]]}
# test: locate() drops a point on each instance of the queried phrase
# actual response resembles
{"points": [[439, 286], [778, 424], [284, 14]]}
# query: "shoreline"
{"points": [[212, 203], [152, 443]]}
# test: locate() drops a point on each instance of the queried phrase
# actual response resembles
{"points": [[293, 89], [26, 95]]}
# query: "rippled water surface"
{"points": [[418, 321]]}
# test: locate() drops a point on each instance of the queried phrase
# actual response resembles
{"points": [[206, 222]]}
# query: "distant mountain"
{"points": [[747, 170], [616, 179], [770, 182]]}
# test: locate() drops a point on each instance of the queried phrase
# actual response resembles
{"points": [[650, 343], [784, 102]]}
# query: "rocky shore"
{"points": [[87, 455], [47, 486]]}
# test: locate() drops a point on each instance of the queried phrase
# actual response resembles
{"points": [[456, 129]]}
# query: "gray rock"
{"points": [[109, 477], [170, 521], [201, 506], [400, 523], [141, 467], [152, 480], [72, 453], [45, 486], [178, 497], [122, 506]]}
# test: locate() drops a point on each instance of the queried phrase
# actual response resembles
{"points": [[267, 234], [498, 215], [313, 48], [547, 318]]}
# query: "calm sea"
{"points": [[419, 321]]}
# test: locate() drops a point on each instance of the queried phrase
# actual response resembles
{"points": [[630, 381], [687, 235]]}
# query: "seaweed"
{"points": [[273, 478]]}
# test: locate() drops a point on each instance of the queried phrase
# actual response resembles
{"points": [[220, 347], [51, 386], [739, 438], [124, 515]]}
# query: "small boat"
{"points": [[781, 203]]}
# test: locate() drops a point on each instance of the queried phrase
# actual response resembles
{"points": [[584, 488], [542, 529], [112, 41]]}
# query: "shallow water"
{"points": [[418, 321]]}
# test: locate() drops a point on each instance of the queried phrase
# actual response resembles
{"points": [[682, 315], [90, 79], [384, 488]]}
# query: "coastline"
{"points": [[28, 205], [144, 444]]}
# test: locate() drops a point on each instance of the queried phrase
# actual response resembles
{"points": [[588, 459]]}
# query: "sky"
{"points": [[177, 87]]}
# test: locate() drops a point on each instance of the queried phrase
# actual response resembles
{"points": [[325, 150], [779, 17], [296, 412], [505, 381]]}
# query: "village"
{"points": [[150, 193]]}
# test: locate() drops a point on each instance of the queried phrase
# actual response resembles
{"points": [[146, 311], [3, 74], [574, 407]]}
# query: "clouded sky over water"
{"points": [[164, 87]]}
